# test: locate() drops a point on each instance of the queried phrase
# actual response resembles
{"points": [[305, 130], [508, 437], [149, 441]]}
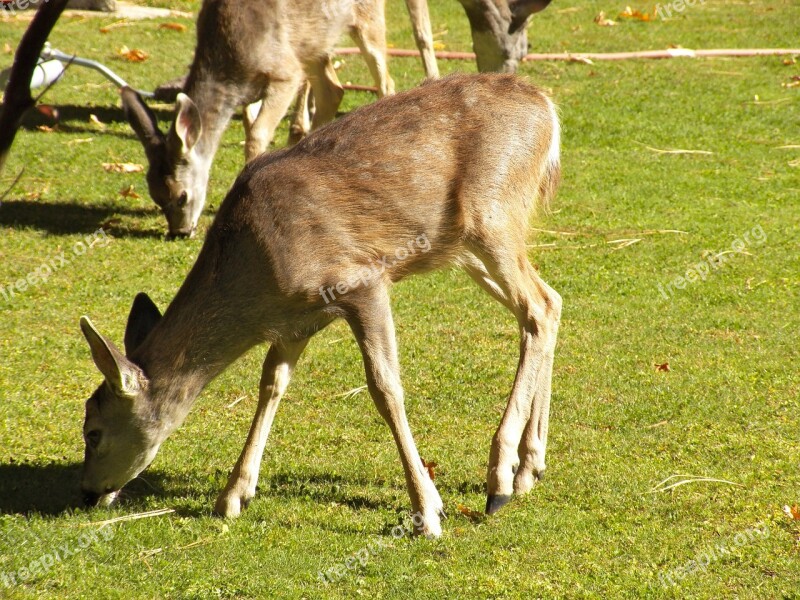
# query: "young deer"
{"points": [[455, 166], [255, 54]]}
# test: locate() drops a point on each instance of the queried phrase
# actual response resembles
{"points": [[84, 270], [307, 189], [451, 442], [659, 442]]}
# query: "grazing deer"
{"points": [[499, 27], [445, 173], [256, 54]]}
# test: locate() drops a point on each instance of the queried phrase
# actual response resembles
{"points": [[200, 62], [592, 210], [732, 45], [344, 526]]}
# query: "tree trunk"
{"points": [[17, 98]]}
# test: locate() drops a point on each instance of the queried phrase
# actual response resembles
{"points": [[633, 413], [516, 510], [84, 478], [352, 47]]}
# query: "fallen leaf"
{"points": [[437, 45], [792, 60], [51, 112], [637, 15], [123, 167], [127, 192], [46, 128], [173, 26], [663, 367], [601, 20], [792, 512], [133, 55], [472, 515], [430, 466], [7, 49], [94, 120]]}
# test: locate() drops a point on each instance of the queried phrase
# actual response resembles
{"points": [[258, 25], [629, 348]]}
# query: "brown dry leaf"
{"points": [[795, 82], [133, 55], [46, 128], [472, 515], [792, 512], [123, 167], [173, 26], [603, 21], [636, 15], [792, 60], [127, 192], [662, 367], [51, 112], [7, 49], [430, 466]]}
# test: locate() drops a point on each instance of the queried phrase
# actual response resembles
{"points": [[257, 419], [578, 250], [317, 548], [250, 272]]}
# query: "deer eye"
{"points": [[93, 438], [183, 199]]}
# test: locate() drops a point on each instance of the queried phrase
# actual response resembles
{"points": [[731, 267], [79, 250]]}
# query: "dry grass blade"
{"points": [[351, 393], [661, 487], [677, 151], [11, 187], [134, 517]]}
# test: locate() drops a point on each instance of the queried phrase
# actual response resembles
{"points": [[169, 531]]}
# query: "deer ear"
{"points": [[143, 317], [522, 9], [119, 372], [188, 124], [143, 121]]}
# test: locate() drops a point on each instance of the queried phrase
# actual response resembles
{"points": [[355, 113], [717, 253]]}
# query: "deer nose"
{"points": [[90, 498], [181, 234]]}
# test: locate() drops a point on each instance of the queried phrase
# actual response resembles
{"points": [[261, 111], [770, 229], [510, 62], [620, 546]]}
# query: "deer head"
{"points": [[121, 433], [177, 174], [499, 35]]}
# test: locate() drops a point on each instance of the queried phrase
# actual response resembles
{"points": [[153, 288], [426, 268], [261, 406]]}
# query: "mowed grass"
{"points": [[627, 220]]}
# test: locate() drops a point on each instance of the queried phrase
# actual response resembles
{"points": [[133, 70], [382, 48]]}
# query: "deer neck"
{"points": [[195, 340], [216, 101]]}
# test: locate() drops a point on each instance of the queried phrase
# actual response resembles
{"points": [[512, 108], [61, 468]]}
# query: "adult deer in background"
{"points": [[499, 31], [254, 52], [446, 173]]}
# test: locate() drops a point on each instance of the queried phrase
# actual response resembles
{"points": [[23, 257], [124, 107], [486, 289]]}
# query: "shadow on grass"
{"points": [[65, 219], [76, 119], [54, 489], [323, 488]]}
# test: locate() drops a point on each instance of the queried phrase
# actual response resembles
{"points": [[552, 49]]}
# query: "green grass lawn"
{"points": [[628, 223]]}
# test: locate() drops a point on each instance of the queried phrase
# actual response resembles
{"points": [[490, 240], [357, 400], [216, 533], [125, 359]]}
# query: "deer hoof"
{"points": [[496, 502]]}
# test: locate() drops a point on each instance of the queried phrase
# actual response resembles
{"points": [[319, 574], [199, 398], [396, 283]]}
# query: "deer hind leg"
{"points": [[261, 118], [328, 92], [241, 487], [517, 456], [370, 318], [370, 36]]}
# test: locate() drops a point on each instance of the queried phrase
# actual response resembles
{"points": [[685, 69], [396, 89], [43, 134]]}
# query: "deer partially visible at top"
{"points": [[257, 53]]}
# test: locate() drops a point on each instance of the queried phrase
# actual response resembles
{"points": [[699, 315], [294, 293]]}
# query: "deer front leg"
{"points": [[301, 117], [275, 375], [371, 321]]}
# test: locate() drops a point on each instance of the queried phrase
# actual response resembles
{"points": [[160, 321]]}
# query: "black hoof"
{"points": [[495, 503]]}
